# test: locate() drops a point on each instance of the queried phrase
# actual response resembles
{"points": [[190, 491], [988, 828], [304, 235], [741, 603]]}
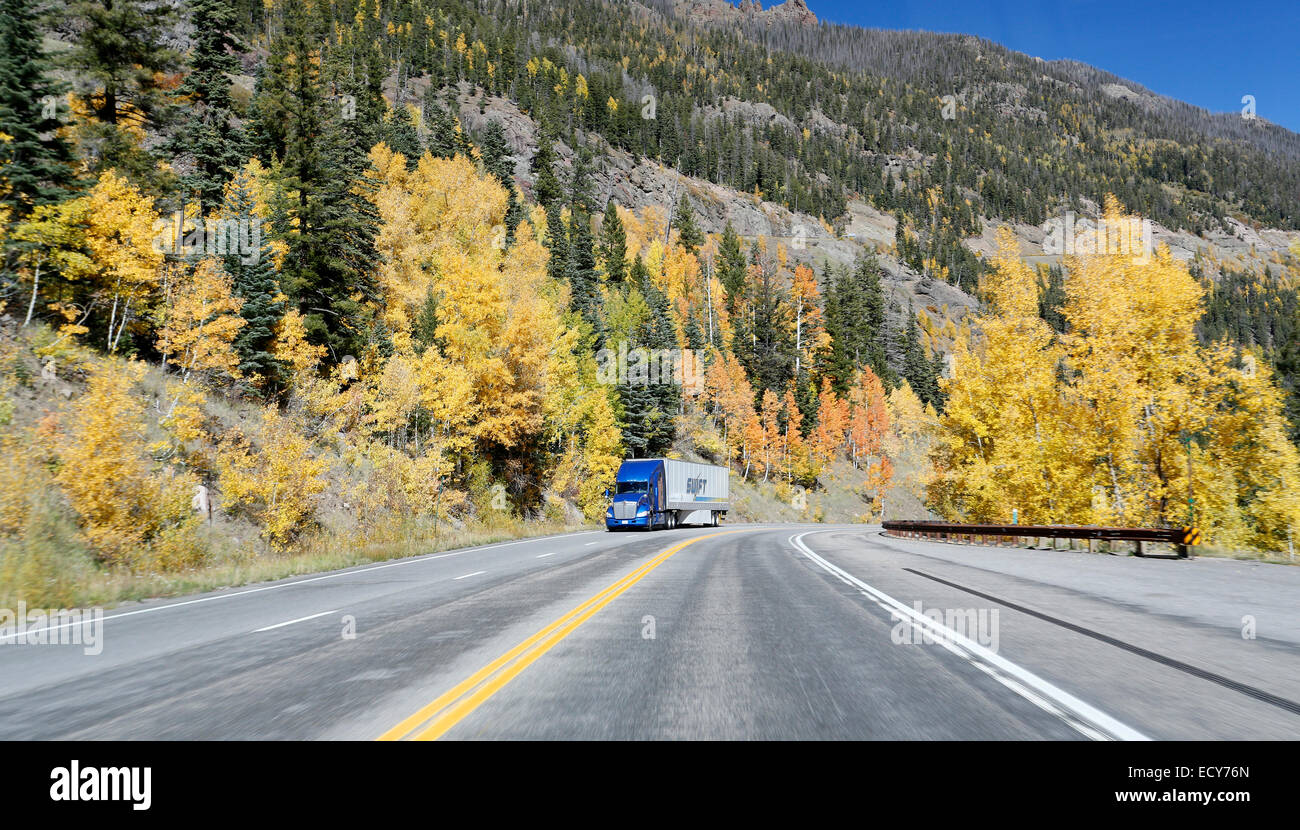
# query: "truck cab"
{"points": [[638, 496]]}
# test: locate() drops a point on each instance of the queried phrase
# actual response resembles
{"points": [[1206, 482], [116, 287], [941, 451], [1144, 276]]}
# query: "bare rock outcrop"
{"points": [[721, 11]]}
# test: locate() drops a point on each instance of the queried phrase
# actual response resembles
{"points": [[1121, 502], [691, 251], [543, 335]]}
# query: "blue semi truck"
{"points": [[653, 493]]}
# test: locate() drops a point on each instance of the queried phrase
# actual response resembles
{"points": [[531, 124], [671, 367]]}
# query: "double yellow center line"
{"points": [[432, 721]]}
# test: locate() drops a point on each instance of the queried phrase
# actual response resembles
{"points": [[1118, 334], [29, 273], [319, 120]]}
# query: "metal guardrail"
{"points": [[1183, 539]]}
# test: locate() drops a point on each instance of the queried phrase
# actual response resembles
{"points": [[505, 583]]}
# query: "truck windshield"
{"points": [[633, 487]]}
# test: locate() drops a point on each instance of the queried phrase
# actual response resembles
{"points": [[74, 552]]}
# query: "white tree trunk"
{"points": [[31, 306]]}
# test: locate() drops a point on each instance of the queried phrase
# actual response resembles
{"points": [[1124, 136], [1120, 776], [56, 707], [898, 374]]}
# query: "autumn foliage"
{"points": [[1126, 419], [473, 391]]}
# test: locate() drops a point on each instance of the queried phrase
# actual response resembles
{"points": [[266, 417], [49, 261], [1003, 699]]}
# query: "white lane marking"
{"points": [[467, 576], [544, 555], [1084, 717], [427, 558], [589, 544], [300, 619]]}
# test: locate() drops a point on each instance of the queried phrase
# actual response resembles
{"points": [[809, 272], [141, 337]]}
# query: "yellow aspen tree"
{"points": [[54, 242], [868, 418], [1002, 444], [912, 426], [1249, 437], [769, 450], [909, 422], [1133, 349], [880, 476], [447, 395], [292, 348], [107, 476], [810, 337], [601, 455], [254, 179], [200, 322], [276, 476], [728, 391], [405, 250], [120, 222], [393, 398], [798, 462], [828, 436], [1170, 431], [756, 447]]}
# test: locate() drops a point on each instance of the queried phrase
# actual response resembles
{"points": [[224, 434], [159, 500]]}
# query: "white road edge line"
{"points": [[300, 619], [1095, 723], [334, 575], [467, 576]]}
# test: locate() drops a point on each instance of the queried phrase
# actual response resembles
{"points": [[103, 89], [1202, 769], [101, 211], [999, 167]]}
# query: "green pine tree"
{"points": [[208, 137], [546, 186], [442, 127], [401, 137], [580, 200], [764, 340], [651, 399], [557, 243], [255, 280], [731, 267], [329, 224], [424, 330], [267, 131], [498, 161], [120, 50], [689, 235], [613, 245], [36, 163], [584, 279], [920, 372], [855, 320]]}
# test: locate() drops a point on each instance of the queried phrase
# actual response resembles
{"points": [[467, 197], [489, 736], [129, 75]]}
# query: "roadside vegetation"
{"points": [[252, 328]]}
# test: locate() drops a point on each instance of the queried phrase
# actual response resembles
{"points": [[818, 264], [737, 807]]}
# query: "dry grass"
{"points": [[86, 585]]}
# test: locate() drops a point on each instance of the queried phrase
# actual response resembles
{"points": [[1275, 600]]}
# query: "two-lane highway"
{"points": [[745, 631]]}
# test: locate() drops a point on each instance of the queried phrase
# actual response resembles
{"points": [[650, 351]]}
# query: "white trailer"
{"points": [[697, 494]]}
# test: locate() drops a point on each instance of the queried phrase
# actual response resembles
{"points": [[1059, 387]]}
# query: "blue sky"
{"points": [[1206, 53]]}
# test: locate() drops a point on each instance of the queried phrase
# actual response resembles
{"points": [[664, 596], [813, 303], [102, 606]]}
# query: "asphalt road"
{"points": [[740, 632]]}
